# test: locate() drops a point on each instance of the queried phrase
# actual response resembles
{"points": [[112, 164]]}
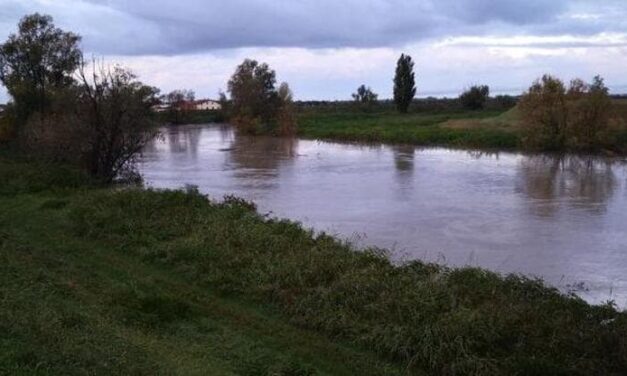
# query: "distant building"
{"points": [[207, 105], [200, 105]]}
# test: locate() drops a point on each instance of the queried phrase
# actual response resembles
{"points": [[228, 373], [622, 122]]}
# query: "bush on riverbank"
{"points": [[558, 118], [445, 321]]}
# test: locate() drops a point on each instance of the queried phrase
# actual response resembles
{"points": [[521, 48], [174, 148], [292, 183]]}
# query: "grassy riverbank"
{"points": [[132, 281], [427, 129], [489, 129]]}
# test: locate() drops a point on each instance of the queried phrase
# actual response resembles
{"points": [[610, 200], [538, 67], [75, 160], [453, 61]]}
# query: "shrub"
{"points": [[7, 124], [504, 101], [556, 117], [475, 97], [588, 107], [543, 108], [364, 97]]}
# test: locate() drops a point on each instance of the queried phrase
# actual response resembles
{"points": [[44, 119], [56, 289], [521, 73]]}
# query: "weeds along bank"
{"points": [[424, 319]]}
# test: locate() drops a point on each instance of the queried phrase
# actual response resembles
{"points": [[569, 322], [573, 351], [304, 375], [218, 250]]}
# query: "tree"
{"points": [[404, 83], [588, 107], [475, 97], [177, 100], [543, 109], [255, 101], [285, 118], [365, 96], [37, 61], [114, 109], [556, 117]]}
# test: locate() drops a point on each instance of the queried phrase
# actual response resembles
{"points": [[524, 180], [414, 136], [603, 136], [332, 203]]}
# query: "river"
{"points": [[562, 219]]}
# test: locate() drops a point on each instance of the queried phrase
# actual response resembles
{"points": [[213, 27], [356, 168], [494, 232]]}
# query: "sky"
{"points": [[326, 48]]}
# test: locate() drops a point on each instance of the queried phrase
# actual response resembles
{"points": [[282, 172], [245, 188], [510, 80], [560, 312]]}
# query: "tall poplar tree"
{"points": [[404, 83]]}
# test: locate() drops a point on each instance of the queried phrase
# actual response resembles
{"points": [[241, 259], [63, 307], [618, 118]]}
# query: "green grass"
{"points": [[487, 129], [133, 281], [73, 306], [414, 128]]}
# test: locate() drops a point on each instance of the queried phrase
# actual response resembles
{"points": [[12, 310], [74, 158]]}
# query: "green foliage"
{"points": [[114, 116], [256, 105], [429, 318], [475, 98], [72, 306], [254, 97], [170, 282], [24, 176], [576, 117], [365, 97], [36, 62], [416, 128], [404, 83]]}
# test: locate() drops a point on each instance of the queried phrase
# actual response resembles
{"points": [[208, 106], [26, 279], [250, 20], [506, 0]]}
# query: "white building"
{"points": [[207, 105]]}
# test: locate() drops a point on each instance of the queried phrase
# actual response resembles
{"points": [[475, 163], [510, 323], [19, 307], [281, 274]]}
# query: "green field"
{"points": [[416, 128], [105, 281], [487, 129]]}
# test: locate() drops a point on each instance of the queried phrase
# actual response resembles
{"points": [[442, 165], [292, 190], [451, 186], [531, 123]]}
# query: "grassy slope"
{"points": [[72, 305], [144, 282]]}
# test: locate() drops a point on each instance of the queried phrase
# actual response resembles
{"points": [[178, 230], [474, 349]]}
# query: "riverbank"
{"points": [[157, 282], [486, 129], [189, 117]]}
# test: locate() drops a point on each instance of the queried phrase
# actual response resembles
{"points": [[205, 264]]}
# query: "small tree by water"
{"points": [[256, 105], [557, 117]]}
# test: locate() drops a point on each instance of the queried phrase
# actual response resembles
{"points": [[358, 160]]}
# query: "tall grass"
{"points": [[428, 317], [22, 174]]}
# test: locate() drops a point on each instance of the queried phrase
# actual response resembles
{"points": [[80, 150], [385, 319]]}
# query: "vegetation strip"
{"points": [[113, 279]]}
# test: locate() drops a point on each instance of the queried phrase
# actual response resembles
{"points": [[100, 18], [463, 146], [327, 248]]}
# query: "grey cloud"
{"points": [[186, 26]]}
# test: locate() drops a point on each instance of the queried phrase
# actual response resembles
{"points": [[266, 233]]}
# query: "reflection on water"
{"points": [[404, 163], [184, 141], [584, 182], [559, 218]]}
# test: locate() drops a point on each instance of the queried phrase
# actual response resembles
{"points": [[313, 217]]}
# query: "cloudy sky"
{"points": [[326, 48]]}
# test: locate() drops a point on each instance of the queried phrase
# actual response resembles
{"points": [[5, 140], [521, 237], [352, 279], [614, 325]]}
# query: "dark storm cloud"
{"points": [[186, 26], [199, 25]]}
